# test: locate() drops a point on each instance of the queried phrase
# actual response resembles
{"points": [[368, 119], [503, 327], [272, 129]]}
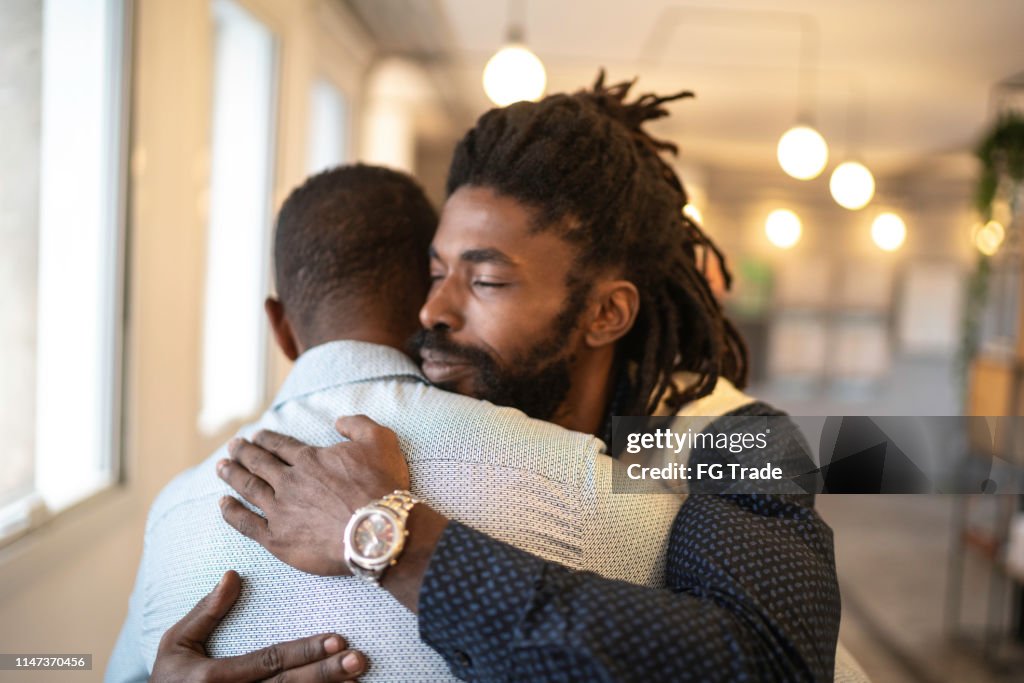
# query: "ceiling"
{"points": [[915, 77]]}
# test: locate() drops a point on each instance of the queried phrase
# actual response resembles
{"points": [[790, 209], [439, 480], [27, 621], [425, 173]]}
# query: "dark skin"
{"points": [[497, 286], [308, 495], [182, 653]]}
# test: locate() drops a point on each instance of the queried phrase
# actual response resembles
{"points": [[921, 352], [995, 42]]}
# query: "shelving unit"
{"points": [[996, 382]]}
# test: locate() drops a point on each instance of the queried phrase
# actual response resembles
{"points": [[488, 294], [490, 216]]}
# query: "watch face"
{"points": [[374, 535]]}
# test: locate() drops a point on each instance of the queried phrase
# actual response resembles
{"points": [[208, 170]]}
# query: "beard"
{"points": [[536, 381]]}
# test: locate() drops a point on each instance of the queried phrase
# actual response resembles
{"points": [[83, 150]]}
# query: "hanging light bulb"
{"points": [[783, 228], [514, 73], [852, 185], [802, 152], [989, 237], [888, 231]]}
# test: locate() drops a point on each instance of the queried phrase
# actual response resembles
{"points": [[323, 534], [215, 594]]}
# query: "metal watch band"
{"points": [[400, 503]]}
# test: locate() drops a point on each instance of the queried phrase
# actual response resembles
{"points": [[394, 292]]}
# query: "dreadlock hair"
{"points": [[589, 171]]}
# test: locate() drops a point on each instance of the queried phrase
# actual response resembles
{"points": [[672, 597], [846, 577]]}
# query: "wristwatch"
{"points": [[375, 536]]}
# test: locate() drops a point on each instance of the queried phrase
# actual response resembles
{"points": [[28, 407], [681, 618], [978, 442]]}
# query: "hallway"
{"points": [[892, 554]]}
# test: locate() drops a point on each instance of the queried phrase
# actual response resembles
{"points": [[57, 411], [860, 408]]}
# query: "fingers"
{"points": [[344, 666], [360, 428], [198, 624], [244, 520], [247, 484], [284, 447], [307, 660], [259, 461]]}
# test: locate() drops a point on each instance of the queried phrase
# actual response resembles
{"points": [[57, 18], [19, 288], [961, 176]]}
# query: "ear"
{"points": [[283, 332], [614, 306]]}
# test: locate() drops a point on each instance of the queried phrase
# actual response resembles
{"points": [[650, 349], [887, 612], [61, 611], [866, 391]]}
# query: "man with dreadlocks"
{"points": [[565, 282], [575, 190]]}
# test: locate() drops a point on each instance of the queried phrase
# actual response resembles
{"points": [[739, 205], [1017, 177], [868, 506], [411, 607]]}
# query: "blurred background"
{"points": [[860, 164]]}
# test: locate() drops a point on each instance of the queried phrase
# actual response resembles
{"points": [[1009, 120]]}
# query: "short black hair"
{"points": [[356, 237], [588, 170]]}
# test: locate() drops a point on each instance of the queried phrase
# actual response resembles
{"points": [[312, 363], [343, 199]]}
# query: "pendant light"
{"points": [[851, 184], [783, 228], [802, 151], [989, 237], [514, 73], [888, 231]]}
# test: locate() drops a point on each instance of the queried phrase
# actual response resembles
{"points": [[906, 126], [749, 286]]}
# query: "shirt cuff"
{"points": [[475, 594]]}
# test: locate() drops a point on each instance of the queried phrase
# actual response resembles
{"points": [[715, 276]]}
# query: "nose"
{"points": [[442, 308]]}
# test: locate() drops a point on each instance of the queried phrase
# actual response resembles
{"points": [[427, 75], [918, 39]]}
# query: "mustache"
{"points": [[439, 341]]}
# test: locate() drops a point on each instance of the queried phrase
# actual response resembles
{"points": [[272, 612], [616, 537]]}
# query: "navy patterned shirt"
{"points": [[752, 595]]}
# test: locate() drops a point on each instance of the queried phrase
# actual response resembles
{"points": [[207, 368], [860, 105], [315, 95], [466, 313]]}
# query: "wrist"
{"points": [[404, 580], [375, 535]]}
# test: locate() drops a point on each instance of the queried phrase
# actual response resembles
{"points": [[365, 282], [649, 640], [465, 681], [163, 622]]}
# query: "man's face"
{"points": [[499, 321]]}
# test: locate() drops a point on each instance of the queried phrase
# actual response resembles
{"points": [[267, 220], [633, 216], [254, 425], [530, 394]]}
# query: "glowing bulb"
{"points": [[852, 185], [783, 228], [888, 231], [989, 237], [514, 74], [694, 214], [802, 152], [993, 227]]}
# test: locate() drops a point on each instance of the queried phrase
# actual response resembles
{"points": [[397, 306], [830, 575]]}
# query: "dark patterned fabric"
{"points": [[752, 596]]}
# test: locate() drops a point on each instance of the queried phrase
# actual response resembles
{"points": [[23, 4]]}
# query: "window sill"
{"points": [[28, 554]]}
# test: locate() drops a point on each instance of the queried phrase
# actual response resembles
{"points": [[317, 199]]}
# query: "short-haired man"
{"points": [[350, 270]]}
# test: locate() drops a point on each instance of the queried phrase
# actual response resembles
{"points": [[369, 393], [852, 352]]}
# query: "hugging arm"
{"points": [[752, 589], [752, 594], [182, 654]]}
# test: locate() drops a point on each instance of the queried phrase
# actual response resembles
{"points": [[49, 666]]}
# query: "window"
{"points": [[61, 253], [234, 327], [327, 127]]}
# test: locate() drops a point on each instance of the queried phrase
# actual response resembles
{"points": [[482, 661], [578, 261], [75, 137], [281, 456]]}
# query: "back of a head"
{"points": [[352, 242], [587, 168]]}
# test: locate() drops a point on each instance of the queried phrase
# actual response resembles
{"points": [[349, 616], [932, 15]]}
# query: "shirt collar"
{"points": [[345, 362], [723, 399]]}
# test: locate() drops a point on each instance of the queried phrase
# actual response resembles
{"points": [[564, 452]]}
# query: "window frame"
{"points": [[211, 436], [23, 516]]}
